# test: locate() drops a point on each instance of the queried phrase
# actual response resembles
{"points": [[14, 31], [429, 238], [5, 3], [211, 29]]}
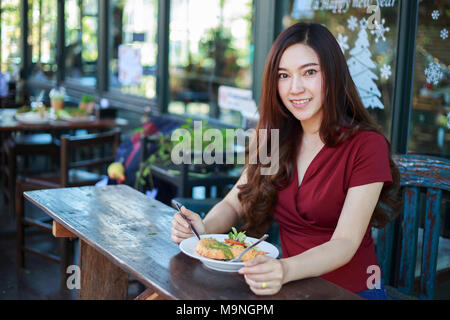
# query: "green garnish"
{"points": [[234, 235], [214, 244]]}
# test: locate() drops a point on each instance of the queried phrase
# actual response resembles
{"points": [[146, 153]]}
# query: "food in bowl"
{"points": [[228, 249]]}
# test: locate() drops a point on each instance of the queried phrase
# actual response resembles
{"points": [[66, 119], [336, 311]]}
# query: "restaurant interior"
{"points": [[91, 92]]}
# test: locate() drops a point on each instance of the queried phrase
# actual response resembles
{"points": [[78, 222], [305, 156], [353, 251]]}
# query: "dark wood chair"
{"points": [[25, 146], [397, 244], [72, 174]]}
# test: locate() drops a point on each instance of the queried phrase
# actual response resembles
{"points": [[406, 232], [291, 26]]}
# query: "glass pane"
{"points": [[42, 17], [134, 47], [81, 44], [370, 51], [210, 46], [10, 40], [430, 124]]}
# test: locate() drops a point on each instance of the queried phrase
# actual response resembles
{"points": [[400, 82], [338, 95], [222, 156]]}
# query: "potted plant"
{"points": [[87, 103], [57, 96], [162, 155]]}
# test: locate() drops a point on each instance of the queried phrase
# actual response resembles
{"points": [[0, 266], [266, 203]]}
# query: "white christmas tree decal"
{"points": [[360, 66]]}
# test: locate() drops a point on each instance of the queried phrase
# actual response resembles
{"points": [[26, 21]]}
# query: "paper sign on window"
{"points": [[130, 68]]}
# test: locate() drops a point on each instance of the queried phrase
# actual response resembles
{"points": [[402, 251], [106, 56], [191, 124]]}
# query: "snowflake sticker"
{"points": [[380, 30], [444, 34], [385, 71], [435, 14], [433, 73], [352, 23], [363, 23], [342, 40]]}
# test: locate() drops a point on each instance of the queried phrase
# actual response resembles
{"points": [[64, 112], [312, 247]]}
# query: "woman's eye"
{"points": [[282, 75], [310, 72]]}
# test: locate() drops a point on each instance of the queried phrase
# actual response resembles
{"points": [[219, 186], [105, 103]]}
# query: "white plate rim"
{"points": [[21, 118], [232, 266]]}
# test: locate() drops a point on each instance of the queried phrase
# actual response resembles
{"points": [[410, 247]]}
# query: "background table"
{"points": [[123, 232], [9, 124]]}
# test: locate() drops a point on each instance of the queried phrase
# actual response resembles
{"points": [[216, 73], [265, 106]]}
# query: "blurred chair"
{"points": [[25, 146], [398, 242], [71, 174]]}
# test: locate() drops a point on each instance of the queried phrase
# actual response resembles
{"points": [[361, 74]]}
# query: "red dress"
{"points": [[307, 215]]}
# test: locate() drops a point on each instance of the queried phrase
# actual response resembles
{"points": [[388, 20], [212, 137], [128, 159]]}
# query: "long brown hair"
{"points": [[342, 108]]}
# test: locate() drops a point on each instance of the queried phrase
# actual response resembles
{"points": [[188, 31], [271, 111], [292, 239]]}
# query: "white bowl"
{"points": [[187, 246], [32, 118]]}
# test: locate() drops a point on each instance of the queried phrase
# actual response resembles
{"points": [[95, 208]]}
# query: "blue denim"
{"points": [[374, 294]]}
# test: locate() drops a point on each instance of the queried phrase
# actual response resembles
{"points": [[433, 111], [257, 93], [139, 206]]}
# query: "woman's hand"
{"points": [[264, 275], [181, 229]]}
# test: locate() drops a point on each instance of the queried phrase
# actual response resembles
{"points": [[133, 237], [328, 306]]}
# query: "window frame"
{"points": [[268, 15]]}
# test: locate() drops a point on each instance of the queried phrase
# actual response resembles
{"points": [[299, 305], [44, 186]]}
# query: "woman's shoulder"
{"points": [[365, 139], [365, 136]]}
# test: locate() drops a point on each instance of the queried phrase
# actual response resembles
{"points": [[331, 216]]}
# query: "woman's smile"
{"points": [[300, 103]]}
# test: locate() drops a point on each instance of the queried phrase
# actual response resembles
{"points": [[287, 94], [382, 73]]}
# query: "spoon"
{"points": [[238, 259]]}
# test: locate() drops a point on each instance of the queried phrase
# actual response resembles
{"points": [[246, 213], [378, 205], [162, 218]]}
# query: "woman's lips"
{"points": [[301, 103]]}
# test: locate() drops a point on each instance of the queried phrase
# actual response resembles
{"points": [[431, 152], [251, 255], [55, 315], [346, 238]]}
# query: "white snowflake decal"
{"points": [[444, 34], [363, 23], [386, 71], [352, 23], [433, 73], [342, 40], [380, 30], [435, 14]]}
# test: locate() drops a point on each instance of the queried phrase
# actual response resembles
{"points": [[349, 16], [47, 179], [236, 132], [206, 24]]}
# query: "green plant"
{"points": [[86, 98], [162, 156], [57, 94], [165, 145]]}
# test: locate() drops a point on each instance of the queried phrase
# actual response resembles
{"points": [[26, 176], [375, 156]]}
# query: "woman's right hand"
{"points": [[181, 229]]}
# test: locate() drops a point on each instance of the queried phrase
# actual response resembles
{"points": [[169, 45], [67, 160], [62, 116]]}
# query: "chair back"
{"points": [[397, 242], [102, 149]]}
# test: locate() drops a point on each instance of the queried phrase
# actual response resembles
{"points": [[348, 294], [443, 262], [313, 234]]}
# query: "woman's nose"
{"points": [[297, 85]]}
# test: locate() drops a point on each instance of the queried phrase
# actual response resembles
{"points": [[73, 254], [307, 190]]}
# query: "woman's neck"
{"points": [[311, 130]]}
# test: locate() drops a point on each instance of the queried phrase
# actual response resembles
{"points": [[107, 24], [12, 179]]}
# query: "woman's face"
{"points": [[300, 83]]}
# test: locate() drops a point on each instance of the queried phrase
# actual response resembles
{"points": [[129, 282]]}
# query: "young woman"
{"points": [[335, 166]]}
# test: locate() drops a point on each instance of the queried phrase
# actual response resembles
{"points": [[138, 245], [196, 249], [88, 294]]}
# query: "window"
{"points": [[10, 39], [210, 46], [42, 18], [430, 116], [81, 43], [134, 47], [370, 51]]}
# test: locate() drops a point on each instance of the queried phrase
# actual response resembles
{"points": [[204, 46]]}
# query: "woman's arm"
{"points": [[357, 211], [220, 218], [227, 212], [265, 276]]}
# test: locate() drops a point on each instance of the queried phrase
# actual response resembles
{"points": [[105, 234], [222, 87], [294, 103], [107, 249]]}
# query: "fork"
{"points": [[264, 237]]}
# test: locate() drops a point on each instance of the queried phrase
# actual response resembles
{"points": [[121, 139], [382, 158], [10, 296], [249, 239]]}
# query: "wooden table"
{"points": [[9, 124], [122, 232]]}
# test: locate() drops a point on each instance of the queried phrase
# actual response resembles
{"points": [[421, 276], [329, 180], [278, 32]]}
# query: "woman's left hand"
{"points": [[264, 275]]}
